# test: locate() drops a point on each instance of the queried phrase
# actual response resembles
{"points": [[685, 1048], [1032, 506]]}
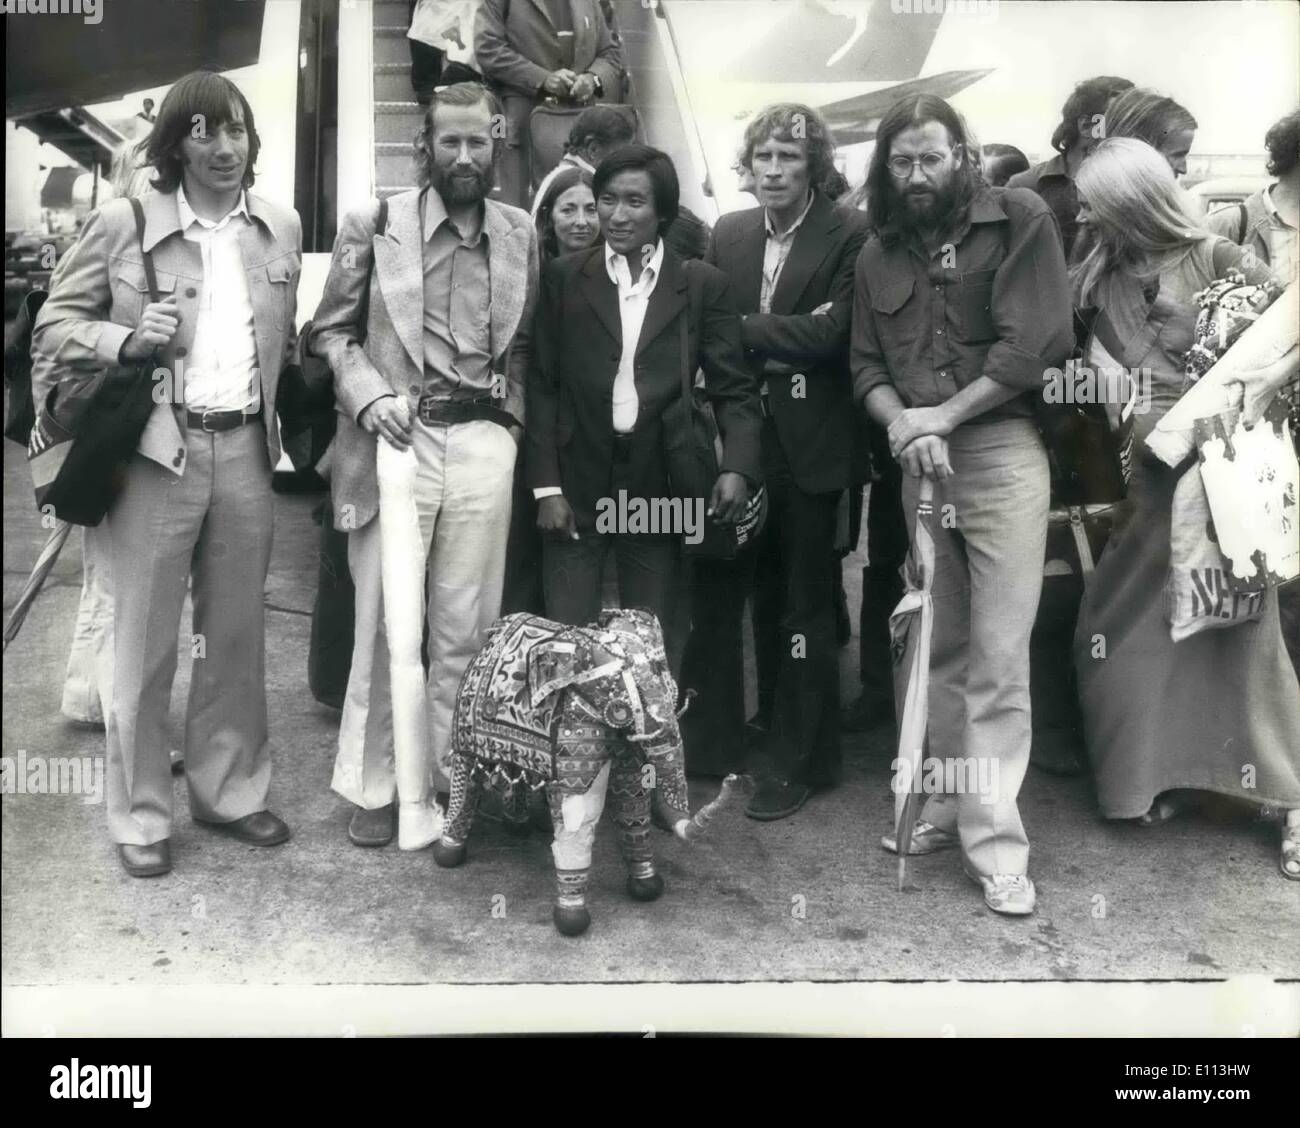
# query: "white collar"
{"points": [[1270, 208], [188, 215], [767, 219], [616, 266]]}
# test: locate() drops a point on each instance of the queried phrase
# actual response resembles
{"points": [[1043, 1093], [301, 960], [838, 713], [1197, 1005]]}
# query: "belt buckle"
{"points": [[203, 421], [427, 405]]}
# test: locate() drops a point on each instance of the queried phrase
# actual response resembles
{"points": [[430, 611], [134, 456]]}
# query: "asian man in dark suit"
{"points": [[790, 263], [611, 329]]}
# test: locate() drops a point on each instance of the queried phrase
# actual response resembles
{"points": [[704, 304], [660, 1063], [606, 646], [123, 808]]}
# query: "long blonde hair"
{"points": [[1140, 219]]}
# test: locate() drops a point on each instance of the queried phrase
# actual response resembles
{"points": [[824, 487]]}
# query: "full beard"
{"points": [[459, 191], [929, 210]]}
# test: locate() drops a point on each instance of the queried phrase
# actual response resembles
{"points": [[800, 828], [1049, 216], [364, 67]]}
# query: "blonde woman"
{"points": [[1166, 723]]}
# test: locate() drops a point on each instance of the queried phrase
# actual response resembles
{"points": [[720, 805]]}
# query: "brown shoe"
{"points": [[261, 828], [373, 828], [153, 860]]}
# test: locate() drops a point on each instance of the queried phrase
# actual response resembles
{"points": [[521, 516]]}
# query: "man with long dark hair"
{"points": [[196, 502], [1081, 126], [961, 304], [438, 296]]}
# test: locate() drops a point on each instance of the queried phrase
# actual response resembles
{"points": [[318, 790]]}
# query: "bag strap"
{"points": [[150, 277], [1081, 545]]}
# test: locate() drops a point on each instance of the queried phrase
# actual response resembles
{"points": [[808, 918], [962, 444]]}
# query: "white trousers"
{"points": [[88, 683], [462, 494]]}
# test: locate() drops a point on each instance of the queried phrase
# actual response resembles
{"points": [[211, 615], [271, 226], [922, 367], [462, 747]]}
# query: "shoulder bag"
{"points": [[87, 431]]}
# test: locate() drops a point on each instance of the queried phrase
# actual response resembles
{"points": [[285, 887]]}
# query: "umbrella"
{"points": [[910, 627], [44, 562]]}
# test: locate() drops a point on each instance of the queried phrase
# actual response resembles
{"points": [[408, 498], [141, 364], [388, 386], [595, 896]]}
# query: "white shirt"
{"points": [[1282, 239], [775, 251], [633, 301], [221, 372]]}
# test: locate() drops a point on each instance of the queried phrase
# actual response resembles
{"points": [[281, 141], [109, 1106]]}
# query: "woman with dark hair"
{"points": [[566, 215], [566, 223], [1159, 121], [1165, 721]]}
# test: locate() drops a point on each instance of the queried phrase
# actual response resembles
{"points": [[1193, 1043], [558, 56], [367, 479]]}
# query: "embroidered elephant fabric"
{"points": [[534, 677]]}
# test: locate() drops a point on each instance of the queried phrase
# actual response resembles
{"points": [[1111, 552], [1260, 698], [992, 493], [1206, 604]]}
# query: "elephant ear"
{"points": [[572, 657], [552, 666]]}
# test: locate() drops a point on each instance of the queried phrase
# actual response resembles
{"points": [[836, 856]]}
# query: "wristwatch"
{"points": [[600, 86]]}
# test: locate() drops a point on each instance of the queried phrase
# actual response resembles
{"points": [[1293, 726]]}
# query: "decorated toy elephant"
{"points": [[578, 711]]}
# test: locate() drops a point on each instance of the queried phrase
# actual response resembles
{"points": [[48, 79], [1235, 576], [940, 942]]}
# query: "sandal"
{"points": [[1290, 861]]}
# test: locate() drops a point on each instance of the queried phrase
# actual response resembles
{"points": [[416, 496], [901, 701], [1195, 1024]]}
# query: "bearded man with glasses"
{"points": [[961, 304]]}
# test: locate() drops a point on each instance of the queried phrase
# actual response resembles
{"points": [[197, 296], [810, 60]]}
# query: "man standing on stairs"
{"points": [[437, 294], [535, 49]]}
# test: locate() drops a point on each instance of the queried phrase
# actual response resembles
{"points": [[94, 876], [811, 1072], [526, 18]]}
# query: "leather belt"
{"points": [[214, 421], [440, 409]]}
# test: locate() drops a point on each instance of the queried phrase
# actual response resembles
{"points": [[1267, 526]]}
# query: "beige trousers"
{"points": [[463, 497], [211, 525]]}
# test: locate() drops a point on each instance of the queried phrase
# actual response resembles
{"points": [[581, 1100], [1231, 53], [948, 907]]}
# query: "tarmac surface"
{"points": [[811, 897]]}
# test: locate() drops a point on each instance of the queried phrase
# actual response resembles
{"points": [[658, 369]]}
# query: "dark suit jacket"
{"points": [[816, 432], [576, 349]]}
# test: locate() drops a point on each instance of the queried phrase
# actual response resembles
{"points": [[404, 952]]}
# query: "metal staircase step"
{"points": [[392, 82]]}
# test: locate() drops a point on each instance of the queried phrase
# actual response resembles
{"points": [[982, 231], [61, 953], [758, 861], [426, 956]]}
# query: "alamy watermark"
{"points": [[682, 517], [53, 775], [1130, 388], [985, 8], [948, 775], [91, 11]]}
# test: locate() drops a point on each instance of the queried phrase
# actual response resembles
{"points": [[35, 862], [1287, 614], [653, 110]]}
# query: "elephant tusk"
{"points": [[690, 830]]}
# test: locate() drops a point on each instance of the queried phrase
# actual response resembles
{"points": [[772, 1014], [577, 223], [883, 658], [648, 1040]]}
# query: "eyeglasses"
{"points": [[901, 167]]}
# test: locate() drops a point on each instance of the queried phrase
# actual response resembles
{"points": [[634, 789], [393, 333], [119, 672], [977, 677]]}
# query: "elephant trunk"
{"points": [[694, 828]]}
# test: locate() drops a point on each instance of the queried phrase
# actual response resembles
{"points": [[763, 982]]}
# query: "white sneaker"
{"points": [[1011, 894], [418, 825], [926, 839]]}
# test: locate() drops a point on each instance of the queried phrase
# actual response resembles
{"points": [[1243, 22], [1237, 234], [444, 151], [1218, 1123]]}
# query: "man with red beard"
{"points": [[417, 321], [961, 304]]}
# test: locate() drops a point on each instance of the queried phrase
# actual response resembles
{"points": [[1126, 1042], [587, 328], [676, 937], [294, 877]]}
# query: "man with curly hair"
{"points": [[1268, 221], [790, 262]]}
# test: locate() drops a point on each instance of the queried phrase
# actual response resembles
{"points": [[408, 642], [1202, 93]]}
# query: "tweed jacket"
{"points": [[391, 362], [98, 292], [516, 45]]}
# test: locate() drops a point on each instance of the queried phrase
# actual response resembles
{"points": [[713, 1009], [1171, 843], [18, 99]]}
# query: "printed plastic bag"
{"points": [[1252, 480], [1198, 595]]}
